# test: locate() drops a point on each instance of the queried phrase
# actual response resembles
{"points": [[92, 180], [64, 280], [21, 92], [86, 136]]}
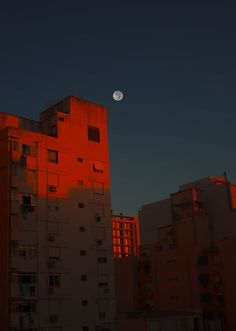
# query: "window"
{"points": [[27, 251], [102, 259], [94, 134], [80, 159], [83, 277], [83, 252], [55, 280], [81, 205], [26, 200], [26, 149], [14, 247], [84, 302], [27, 307], [52, 156], [82, 229], [80, 182], [206, 298], [85, 328], [203, 260], [103, 284]]}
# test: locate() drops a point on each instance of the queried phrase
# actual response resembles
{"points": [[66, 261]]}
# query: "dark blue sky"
{"points": [[174, 61]]}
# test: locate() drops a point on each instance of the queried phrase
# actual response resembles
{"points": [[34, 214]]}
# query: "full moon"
{"points": [[118, 95]]}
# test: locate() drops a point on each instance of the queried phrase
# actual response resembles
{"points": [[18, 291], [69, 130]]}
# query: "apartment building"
{"points": [[186, 265], [126, 236], [56, 251], [191, 265]]}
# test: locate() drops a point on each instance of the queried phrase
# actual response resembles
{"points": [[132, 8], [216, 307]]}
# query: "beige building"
{"points": [[56, 252]]}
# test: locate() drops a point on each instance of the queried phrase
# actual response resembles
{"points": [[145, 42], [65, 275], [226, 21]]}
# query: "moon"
{"points": [[118, 95]]}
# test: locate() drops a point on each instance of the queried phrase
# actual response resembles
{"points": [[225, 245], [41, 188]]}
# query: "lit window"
{"points": [[94, 134], [52, 156]]}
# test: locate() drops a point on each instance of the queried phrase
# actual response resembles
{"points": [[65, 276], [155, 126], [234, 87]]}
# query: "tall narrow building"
{"points": [[56, 269]]}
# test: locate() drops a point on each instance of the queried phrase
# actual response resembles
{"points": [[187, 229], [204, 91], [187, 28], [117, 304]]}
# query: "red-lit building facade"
{"points": [[56, 252], [126, 236]]}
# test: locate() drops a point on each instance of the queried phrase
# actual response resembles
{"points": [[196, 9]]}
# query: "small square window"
{"points": [[83, 252], [52, 156], [81, 205], [83, 277], [85, 328], [82, 229], [94, 134], [80, 159], [84, 302]]}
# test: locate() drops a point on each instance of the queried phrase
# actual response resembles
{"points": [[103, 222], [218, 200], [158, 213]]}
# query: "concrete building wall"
{"points": [[61, 233], [126, 276], [151, 217]]}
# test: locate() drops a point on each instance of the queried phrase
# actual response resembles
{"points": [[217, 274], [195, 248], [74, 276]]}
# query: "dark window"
{"points": [[147, 269], [82, 229], [80, 159], [26, 200], [94, 134], [208, 315], [81, 205], [52, 156], [102, 260], [84, 302], [83, 252], [26, 149], [204, 279], [60, 118], [83, 277], [203, 260], [206, 298], [85, 328], [55, 280], [80, 182]]}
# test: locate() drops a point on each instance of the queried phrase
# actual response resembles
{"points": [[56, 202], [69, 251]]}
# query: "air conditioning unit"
{"points": [[52, 188], [50, 290], [51, 263], [51, 237], [53, 318]]}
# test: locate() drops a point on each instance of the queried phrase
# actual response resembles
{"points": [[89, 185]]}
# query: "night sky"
{"points": [[174, 60]]}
